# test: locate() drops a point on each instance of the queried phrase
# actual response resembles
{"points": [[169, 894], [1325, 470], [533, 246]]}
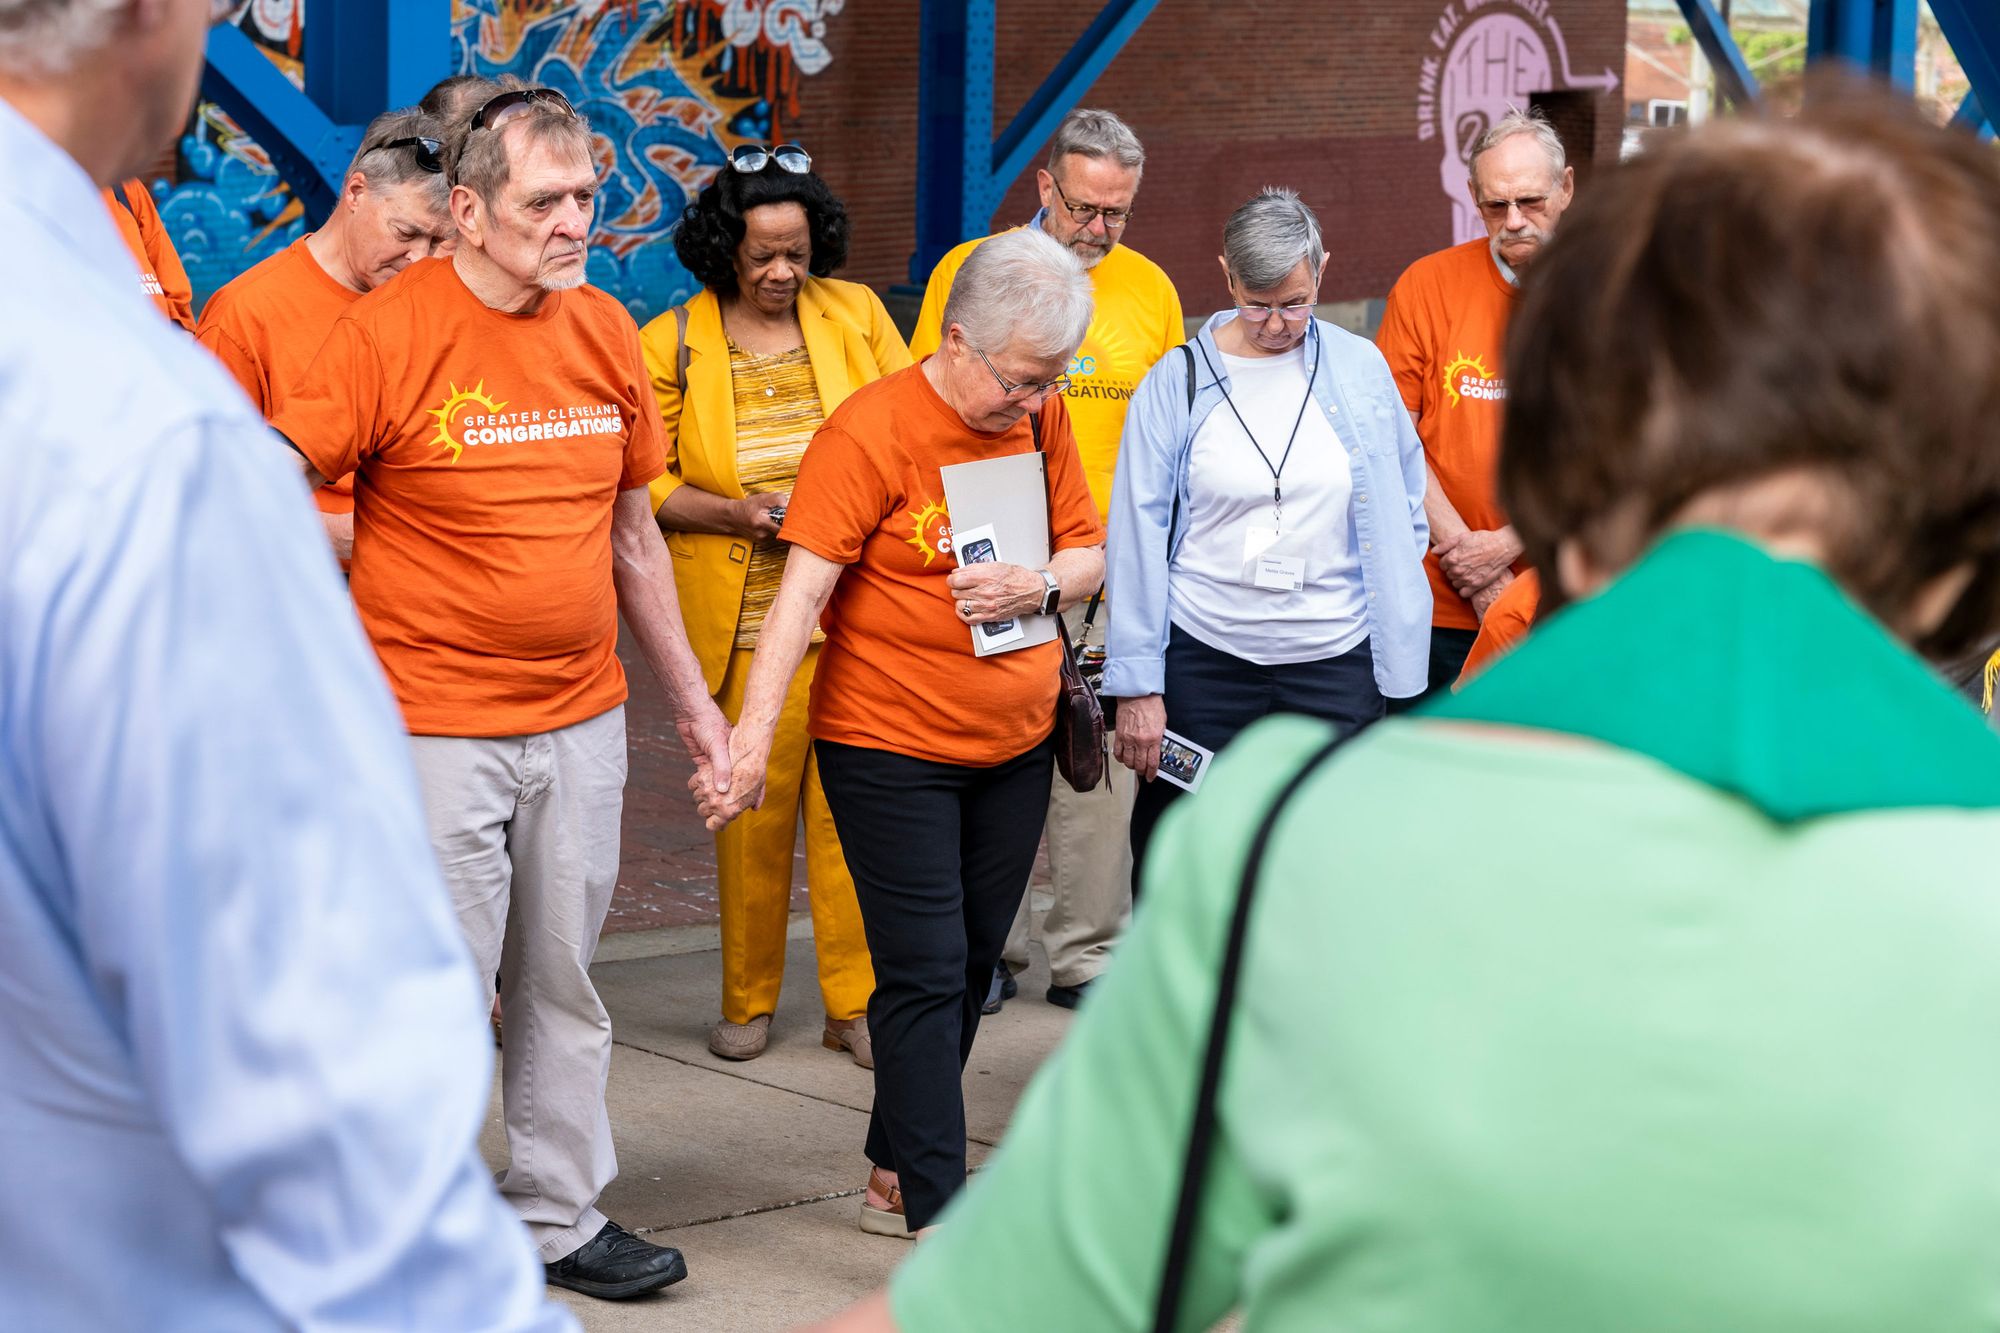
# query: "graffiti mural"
{"points": [[669, 87], [1487, 57]]}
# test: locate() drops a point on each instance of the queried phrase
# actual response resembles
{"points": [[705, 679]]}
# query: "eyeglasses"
{"points": [[1530, 206], [1294, 314], [752, 158], [490, 115], [1022, 392], [1085, 214], [426, 150]]}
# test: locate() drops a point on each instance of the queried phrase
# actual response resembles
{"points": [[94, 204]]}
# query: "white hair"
{"points": [[1265, 239], [1516, 122], [48, 38], [1097, 134], [1022, 287]]}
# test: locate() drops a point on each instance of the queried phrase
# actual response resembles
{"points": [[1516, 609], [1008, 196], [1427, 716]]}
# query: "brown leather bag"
{"points": [[1081, 753]]}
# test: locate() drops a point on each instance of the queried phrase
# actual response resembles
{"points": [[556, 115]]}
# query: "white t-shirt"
{"points": [[1229, 487]]}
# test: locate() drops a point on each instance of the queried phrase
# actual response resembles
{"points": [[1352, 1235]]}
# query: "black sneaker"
{"points": [[1002, 988], [615, 1265], [1068, 997]]}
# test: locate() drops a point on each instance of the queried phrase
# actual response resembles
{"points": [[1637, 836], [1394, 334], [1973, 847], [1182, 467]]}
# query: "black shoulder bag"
{"points": [[1201, 1134], [1081, 752]]}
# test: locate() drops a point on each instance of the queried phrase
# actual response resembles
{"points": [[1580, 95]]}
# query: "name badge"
{"points": [[1280, 573]]}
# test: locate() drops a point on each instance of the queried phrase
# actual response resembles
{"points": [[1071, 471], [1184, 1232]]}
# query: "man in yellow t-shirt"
{"points": [[1087, 189]]}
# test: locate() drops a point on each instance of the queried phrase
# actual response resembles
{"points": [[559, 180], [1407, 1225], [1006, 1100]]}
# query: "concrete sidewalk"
{"points": [[754, 1170]]}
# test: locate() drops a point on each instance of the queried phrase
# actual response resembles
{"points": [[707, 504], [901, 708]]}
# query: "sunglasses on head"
{"points": [[428, 151], [490, 115], [752, 158]]}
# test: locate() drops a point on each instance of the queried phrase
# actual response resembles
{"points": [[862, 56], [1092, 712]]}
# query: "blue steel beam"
{"points": [[1971, 116], [962, 171], [1973, 29], [362, 57], [1879, 36], [308, 149], [1732, 71]]}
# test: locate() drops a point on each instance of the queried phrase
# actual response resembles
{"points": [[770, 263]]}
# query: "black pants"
{"points": [[940, 856], [1449, 649], [1211, 696]]}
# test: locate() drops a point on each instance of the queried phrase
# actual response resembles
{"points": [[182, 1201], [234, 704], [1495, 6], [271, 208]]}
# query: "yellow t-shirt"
{"points": [[1137, 321]]}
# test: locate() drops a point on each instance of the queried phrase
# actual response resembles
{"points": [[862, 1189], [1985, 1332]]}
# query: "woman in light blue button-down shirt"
{"points": [[1267, 525]]}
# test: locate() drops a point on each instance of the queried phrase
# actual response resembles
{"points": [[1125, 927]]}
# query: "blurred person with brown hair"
{"points": [[1707, 1040]]}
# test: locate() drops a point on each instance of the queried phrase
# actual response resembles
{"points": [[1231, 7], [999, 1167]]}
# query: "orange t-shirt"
{"points": [[1507, 622], [489, 449], [267, 324], [162, 276], [898, 672], [1442, 333]]}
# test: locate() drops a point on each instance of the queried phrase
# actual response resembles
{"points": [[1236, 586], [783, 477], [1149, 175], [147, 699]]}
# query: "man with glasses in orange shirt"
{"points": [[1087, 191], [1443, 332]]}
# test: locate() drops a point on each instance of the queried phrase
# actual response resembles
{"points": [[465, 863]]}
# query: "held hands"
{"points": [[753, 514], [995, 592], [1135, 743], [741, 786], [705, 737], [1475, 559]]}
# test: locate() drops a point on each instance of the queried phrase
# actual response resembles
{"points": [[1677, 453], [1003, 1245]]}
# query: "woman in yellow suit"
{"points": [[745, 373]]}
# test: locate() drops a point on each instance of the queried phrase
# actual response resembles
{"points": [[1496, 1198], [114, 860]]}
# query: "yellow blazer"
{"points": [[850, 340]]}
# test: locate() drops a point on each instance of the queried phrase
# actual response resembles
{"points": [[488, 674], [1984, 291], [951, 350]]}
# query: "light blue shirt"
{"points": [[1386, 529], [243, 1057]]}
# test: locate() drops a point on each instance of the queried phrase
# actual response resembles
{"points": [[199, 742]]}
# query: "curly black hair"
{"points": [[712, 226]]}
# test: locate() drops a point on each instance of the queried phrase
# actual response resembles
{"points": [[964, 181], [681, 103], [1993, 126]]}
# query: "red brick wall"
{"points": [[1319, 95]]}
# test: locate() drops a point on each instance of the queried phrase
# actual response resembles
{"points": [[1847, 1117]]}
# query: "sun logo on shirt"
{"points": [[457, 399], [1468, 377], [920, 535]]}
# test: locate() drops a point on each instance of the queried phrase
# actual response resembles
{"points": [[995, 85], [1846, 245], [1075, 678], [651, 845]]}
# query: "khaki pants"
{"points": [[526, 831], [753, 871], [1090, 865]]}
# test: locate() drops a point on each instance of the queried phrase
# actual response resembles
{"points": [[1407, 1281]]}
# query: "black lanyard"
{"points": [[1277, 469]]}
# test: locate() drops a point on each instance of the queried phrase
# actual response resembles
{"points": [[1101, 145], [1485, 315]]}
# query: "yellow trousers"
{"points": [[753, 859]]}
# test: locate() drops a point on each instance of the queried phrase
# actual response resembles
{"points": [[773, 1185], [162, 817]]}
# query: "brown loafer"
{"points": [[883, 1221], [850, 1036], [740, 1041]]}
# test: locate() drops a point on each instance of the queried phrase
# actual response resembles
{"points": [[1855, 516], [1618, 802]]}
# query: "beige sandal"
{"points": [[884, 1221]]}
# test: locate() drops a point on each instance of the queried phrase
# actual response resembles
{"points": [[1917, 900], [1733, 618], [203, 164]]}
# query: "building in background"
{"points": [[1367, 107]]}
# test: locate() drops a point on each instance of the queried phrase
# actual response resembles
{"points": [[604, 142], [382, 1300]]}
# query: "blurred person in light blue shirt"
{"points": [[242, 1055]]}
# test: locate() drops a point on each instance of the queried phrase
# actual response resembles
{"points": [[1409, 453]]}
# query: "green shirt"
{"points": [[1556, 1015]]}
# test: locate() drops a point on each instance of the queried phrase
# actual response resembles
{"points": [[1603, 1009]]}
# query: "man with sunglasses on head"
{"points": [[1087, 192], [1443, 332], [266, 325], [499, 417]]}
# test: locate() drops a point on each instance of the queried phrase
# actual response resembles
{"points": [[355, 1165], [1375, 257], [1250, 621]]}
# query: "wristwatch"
{"points": [[1052, 599]]}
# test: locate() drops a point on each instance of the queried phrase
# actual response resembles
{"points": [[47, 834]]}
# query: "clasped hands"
{"points": [[982, 593], [1479, 564]]}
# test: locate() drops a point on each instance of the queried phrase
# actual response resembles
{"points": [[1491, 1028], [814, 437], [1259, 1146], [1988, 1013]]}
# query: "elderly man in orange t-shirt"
{"points": [[500, 417], [1442, 333], [266, 324]]}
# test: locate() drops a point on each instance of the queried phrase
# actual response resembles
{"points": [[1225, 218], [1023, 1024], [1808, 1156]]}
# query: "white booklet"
{"points": [[1003, 501]]}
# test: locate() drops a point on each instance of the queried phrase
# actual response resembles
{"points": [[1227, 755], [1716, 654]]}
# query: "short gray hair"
{"points": [[483, 166], [1097, 134], [1265, 239], [46, 38], [381, 165], [1516, 122], [1023, 286]]}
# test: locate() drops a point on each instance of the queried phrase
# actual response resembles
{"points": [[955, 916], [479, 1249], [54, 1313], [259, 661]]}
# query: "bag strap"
{"points": [[124, 199], [681, 356], [1201, 1134], [1187, 352]]}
